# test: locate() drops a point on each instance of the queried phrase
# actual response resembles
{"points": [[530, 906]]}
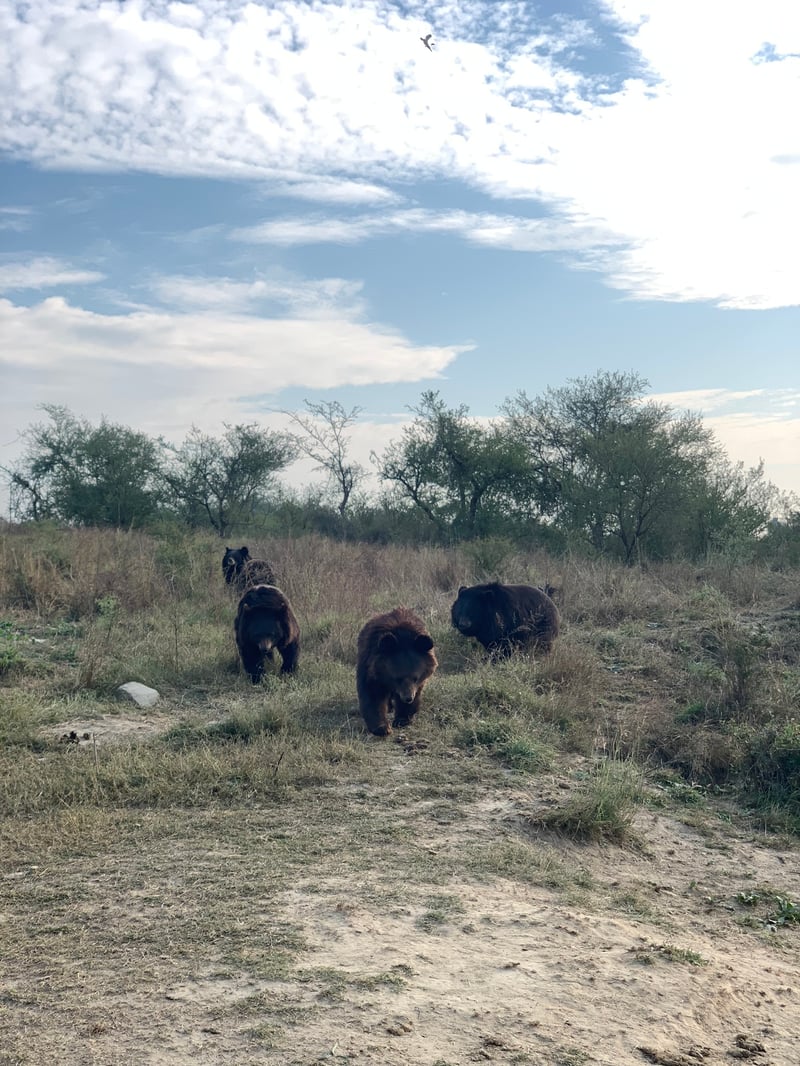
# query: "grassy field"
{"points": [[241, 874]]}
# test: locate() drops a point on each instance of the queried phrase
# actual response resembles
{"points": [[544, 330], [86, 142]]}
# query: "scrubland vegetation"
{"points": [[691, 676]]}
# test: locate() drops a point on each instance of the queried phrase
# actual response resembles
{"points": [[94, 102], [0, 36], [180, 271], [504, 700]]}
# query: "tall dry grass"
{"points": [[669, 666]]}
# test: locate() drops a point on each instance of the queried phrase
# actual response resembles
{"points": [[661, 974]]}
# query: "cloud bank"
{"points": [[687, 153], [164, 371]]}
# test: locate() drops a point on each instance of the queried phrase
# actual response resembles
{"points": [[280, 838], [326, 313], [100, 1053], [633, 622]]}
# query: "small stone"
{"points": [[141, 695]]}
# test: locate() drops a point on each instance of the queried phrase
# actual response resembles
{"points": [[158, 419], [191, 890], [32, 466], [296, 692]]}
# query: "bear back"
{"points": [[495, 613], [242, 571]]}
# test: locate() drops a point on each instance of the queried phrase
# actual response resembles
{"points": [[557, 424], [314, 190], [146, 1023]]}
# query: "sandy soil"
{"points": [[522, 976], [635, 955]]}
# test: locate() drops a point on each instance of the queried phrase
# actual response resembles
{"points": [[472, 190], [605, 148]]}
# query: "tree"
{"points": [[222, 480], [730, 507], [85, 475], [609, 465], [462, 476], [323, 439]]}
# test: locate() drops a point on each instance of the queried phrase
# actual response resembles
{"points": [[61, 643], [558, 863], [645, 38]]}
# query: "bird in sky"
{"points": [[427, 41]]}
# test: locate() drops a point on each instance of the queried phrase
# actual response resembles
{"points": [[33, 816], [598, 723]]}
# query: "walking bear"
{"points": [[395, 662], [265, 623], [243, 572], [505, 617]]}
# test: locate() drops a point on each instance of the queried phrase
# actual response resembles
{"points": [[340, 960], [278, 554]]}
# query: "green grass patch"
{"points": [[602, 808]]}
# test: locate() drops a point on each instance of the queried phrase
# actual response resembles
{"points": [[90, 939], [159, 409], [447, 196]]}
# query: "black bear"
{"points": [[395, 662], [242, 572], [505, 617], [265, 623]]}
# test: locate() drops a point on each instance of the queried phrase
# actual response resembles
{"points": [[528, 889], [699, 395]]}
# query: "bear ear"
{"points": [[227, 549], [244, 550], [387, 643], [423, 643], [462, 588]]}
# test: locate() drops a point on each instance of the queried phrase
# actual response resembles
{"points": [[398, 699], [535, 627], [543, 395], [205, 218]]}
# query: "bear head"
{"points": [[233, 562], [405, 667]]}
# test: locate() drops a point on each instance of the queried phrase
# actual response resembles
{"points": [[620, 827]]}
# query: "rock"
{"points": [[141, 695]]}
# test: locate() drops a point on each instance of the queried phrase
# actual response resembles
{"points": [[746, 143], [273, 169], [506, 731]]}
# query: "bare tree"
{"points": [[323, 438]]}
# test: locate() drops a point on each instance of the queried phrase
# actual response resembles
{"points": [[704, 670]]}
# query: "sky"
{"points": [[213, 212]]}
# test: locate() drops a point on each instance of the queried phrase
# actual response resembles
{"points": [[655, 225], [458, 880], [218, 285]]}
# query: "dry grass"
{"points": [[694, 669]]}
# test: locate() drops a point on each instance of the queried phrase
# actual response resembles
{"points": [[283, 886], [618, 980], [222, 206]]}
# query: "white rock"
{"points": [[141, 695]]}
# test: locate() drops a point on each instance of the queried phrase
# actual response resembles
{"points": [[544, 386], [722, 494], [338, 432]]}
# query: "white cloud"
{"points": [[15, 219], [496, 231], [703, 399], [43, 272], [333, 191], [312, 298], [770, 436], [262, 354], [689, 165], [163, 372]]}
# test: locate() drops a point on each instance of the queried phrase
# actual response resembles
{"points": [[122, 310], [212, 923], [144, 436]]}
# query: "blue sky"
{"points": [[213, 211]]}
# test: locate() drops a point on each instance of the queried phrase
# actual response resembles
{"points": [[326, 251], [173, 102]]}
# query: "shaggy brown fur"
{"points": [[265, 623], [395, 662], [505, 617], [243, 572]]}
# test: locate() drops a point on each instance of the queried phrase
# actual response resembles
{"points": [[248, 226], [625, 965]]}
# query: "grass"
{"points": [[440, 911], [657, 671], [171, 839], [652, 952], [770, 907], [602, 808]]}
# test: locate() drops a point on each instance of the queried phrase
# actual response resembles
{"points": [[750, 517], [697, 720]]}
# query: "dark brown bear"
{"points": [[265, 622], [395, 661], [243, 572], [505, 617]]}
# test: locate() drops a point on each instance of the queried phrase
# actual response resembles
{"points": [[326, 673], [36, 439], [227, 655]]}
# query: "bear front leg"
{"points": [[289, 655], [374, 707], [253, 663]]}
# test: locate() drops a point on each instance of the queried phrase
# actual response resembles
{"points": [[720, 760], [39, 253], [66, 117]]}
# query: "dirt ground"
{"points": [[405, 929]]}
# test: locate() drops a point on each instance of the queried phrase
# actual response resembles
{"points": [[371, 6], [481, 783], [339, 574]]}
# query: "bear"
{"points": [[242, 572], [395, 662], [265, 622], [506, 617]]}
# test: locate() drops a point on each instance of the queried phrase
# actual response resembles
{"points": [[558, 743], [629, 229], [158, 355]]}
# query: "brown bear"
{"points": [[265, 622], [395, 661], [243, 572], [505, 617]]}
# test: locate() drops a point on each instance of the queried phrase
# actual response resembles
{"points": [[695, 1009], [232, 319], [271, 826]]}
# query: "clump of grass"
{"points": [[520, 860], [336, 982], [243, 727], [10, 658], [602, 808], [735, 653], [440, 911], [773, 908], [508, 741], [770, 765], [670, 952]]}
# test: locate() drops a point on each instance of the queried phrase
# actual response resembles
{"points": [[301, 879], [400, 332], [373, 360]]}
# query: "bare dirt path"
{"points": [[433, 930]]}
